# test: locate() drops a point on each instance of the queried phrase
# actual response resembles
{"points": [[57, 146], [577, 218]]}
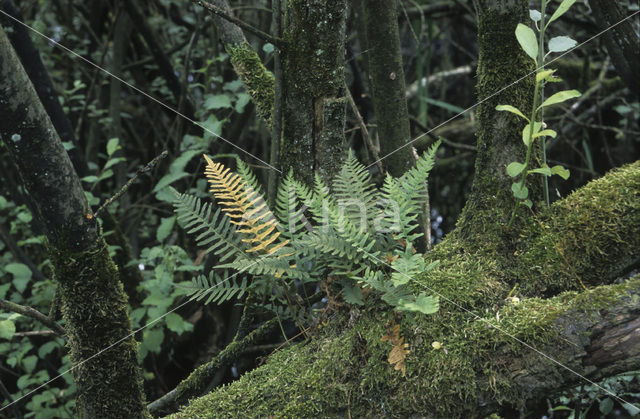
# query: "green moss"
{"points": [[258, 81], [94, 307]]}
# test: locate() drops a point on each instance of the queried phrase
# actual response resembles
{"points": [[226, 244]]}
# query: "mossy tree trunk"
{"points": [[313, 83], [93, 303], [497, 355], [387, 84]]}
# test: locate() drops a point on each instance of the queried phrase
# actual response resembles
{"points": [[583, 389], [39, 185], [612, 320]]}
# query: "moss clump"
{"points": [[94, 308], [258, 81]]}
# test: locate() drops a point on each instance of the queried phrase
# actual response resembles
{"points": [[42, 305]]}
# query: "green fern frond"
{"points": [[289, 209], [354, 190], [216, 288], [212, 229], [413, 181]]}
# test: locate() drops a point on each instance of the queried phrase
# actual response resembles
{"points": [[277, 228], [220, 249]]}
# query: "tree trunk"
{"points": [[387, 84], [314, 101], [622, 40], [93, 303]]}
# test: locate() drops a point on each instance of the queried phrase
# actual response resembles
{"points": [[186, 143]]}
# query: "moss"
{"points": [[94, 308], [258, 81], [589, 238]]}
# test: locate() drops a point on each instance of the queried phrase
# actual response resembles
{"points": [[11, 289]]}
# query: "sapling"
{"points": [[533, 45]]}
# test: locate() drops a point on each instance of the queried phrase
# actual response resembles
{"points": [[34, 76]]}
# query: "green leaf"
{"points": [[241, 101], [21, 275], [175, 323], [526, 132], [561, 43], [168, 179], [542, 170], [560, 97], [515, 168], [352, 295], [166, 226], [29, 363], [217, 102], [426, 304], [546, 133], [519, 192], [512, 109], [178, 165], [560, 171], [606, 406], [267, 47], [152, 340], [535, 15], [113, 162], [112, 146], [212, 126], [90, 179], [47, 348], [528, 203], [564, 6], [528, 41], [544, 75], [7, 329]]}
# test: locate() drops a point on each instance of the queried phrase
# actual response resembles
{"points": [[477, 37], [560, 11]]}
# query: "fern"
{"points": [[216, 288], [280, 252], [213, 231], [245, 207]]}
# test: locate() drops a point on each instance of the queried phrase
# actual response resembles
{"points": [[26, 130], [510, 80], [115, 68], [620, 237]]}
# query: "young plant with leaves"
{"points": [[359, 236], [534, 46]]}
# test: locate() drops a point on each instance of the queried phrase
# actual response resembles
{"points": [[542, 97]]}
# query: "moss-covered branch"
{"points": [[483, 369], [255, 77]]}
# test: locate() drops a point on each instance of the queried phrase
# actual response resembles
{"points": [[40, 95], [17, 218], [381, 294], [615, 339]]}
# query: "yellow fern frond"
{"points": [[244, 207]]}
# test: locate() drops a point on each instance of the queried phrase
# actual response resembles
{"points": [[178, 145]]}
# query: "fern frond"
{"points": [[245, 207], [354, 191], [212, 230], [289, 210], [413, 181], [216, 288]]}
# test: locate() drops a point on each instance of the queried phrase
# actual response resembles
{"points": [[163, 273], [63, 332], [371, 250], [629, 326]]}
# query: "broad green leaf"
{"points": [[217, 102], [528, 41], [90, 179], [520, 192], [7, 329], [105, 175], [113, 162], [29, 363], [560, 97], [564, 6], [352, 295], [175, 323], [543, 75], [528, 203], [606, 406], [560, 171], [112, 146], [47, 348], [542, 170], [515, 168], [152, 340], [168, 179], [546, 133], [212, 126], [512, 109], [426, 304], [166, 226], [535, 15], [526, 132], [561, 43], [180, 163], [21, 275]]}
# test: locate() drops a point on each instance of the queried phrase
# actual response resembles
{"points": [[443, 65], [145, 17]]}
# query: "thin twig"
{"points": [[32, 313], [363, 128], [126, 186], [242, 24]]}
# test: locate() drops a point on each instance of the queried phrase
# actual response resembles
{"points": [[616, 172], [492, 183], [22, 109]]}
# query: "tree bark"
{"points": [[622, 40], [387, 84], [93, 302], [314, 101]]}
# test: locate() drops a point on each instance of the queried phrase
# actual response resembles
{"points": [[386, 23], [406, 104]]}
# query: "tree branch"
{"points": [[34, 314]]}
